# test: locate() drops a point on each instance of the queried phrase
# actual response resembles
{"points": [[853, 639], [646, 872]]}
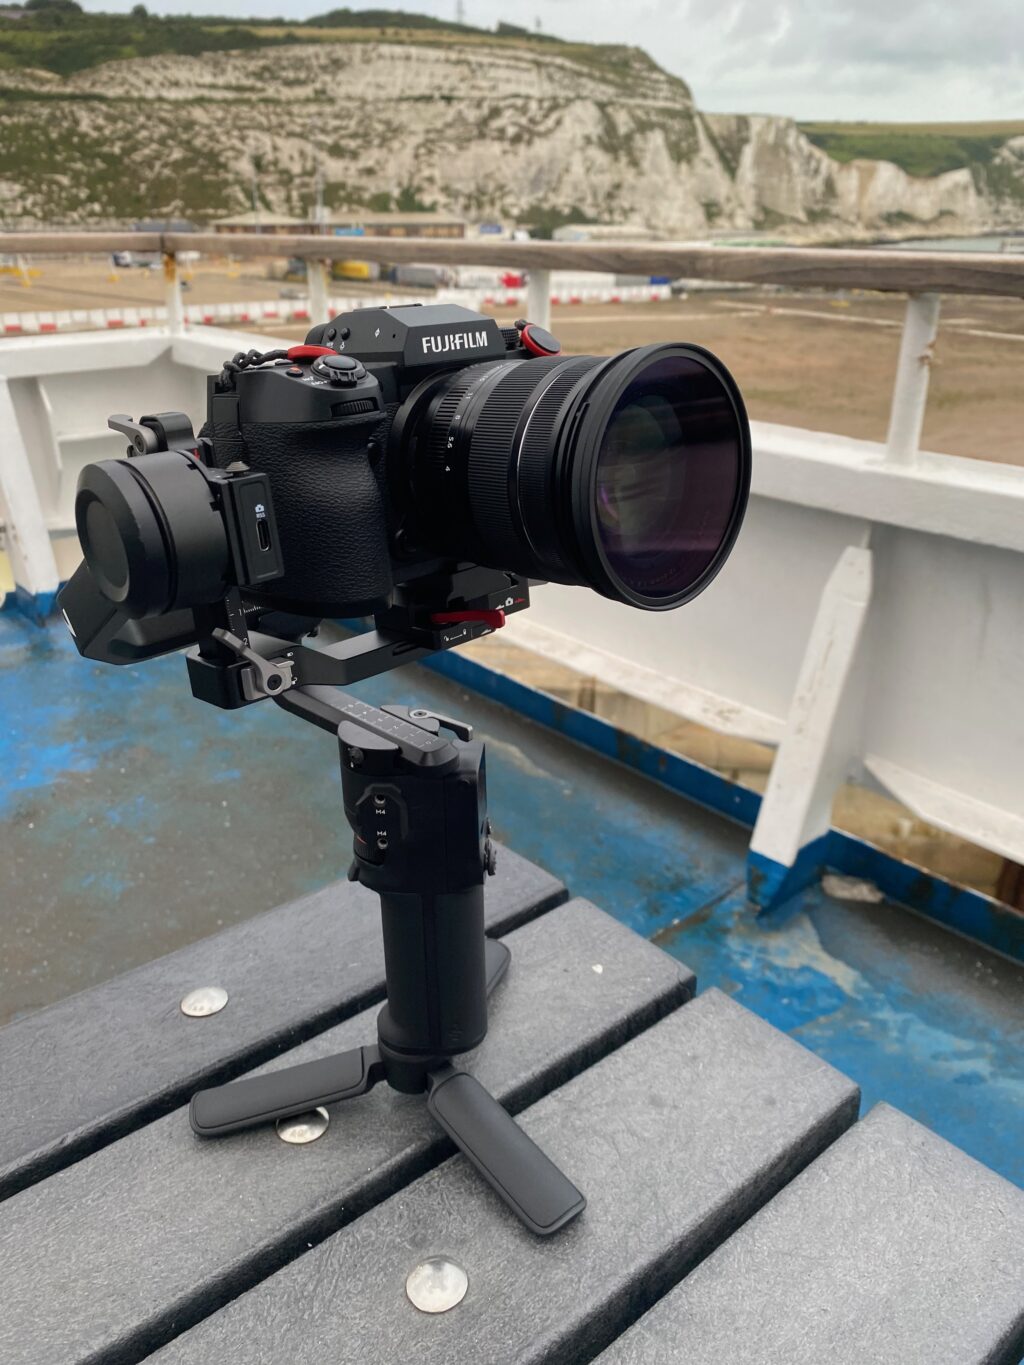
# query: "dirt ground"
{"points": [[807, 359], [59, 284], [826, 363]]}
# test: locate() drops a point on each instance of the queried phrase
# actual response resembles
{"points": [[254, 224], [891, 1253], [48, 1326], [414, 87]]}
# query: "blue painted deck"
{"points": [[133, 819]]}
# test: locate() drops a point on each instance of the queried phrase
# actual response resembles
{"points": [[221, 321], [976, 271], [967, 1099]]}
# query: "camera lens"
{"points": [[150, 533], [670, 480], [627, 474]]}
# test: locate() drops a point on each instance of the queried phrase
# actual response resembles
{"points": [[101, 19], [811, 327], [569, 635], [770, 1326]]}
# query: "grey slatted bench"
{"points": [[690, 1124], [893, 1247], [677, 1137], [83, 1071]]}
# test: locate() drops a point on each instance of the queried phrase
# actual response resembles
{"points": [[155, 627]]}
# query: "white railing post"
{"points": [[172, 293], [36, 578], [906, 417], [823, 739], [319, 291], [538, 298]]}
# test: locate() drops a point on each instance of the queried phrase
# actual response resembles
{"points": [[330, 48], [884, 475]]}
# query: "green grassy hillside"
{"points": [[60, 38], [188, 138], [162, 134], [919, 148]]}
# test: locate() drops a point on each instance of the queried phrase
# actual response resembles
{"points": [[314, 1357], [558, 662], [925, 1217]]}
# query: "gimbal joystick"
{"points": [[416, 801]]}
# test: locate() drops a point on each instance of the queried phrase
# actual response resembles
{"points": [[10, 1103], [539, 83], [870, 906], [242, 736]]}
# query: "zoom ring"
{"points": [[542, 473], [442, 479]]}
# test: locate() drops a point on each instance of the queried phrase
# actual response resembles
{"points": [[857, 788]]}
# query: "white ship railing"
{"points": [[869, 624]]}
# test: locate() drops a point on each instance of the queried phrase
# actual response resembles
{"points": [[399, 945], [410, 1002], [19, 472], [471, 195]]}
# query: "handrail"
{"points": [[902, 272], [922, 275], [77, 243]]}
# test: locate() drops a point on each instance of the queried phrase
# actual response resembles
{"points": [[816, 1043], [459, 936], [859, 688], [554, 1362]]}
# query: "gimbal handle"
{"points": [[416, 801]]}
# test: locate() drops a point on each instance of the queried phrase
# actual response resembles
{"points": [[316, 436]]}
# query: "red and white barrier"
{"points": [[285, 312], [288, 312]]}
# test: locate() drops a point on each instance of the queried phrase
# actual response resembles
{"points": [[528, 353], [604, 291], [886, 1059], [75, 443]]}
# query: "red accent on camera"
{"points": [[494, 619], [309, 352], [536, 347]]}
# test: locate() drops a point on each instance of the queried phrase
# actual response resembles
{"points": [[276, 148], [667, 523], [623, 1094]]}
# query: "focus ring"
{"points": [[499, 540]]}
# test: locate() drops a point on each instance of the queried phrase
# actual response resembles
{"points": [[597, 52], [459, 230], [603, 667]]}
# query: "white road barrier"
{"points": [[290, 311]]}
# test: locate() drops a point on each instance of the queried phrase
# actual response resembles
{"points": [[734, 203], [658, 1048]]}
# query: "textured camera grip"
{"points": [[330, 515]]}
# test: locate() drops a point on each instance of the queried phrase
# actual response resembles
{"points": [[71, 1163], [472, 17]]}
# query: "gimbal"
{"points": [[416, 800]]}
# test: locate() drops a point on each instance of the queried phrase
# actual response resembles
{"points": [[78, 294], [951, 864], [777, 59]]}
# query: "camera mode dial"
{"points": [[342, 370]]}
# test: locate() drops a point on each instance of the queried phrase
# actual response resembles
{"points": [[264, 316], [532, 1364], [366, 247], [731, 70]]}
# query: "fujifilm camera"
{"points": [[420, 464]]}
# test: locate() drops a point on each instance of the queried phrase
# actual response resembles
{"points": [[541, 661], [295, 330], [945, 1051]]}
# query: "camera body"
{"points": [[319, 424], [418, 464]]}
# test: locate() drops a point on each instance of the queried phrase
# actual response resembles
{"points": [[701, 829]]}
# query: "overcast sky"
{"points": [[831, 59]]}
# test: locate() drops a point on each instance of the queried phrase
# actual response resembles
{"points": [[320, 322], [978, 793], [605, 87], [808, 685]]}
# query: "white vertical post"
{"points": [[823, 739], [538, 298], [906, 417], [319, 291], [28, 541]]}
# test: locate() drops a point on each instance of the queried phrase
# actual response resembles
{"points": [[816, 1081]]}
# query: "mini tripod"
{"points": [[416, 801]]}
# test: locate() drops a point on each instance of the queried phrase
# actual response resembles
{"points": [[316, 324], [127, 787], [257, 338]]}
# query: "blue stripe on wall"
{"points": [[769, 884]]}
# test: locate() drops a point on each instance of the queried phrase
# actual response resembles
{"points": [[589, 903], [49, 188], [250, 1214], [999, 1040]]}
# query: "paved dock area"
{"points": [[134, 820]]}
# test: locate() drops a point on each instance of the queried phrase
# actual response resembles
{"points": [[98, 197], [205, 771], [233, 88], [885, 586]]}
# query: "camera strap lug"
{"points": [[264, 677]]}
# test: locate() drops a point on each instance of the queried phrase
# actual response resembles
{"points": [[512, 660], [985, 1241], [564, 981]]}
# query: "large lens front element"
{"points": [[626, 474], [669, 480]]}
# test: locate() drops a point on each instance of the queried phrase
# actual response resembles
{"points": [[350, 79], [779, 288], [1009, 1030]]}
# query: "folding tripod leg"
{"points": [[279, 1094], [512, 1164]]}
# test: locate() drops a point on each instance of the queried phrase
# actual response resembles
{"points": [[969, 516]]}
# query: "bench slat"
{"points": [[676, 1138], [892, 1246], [88, 1069], [137, 1241]]}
